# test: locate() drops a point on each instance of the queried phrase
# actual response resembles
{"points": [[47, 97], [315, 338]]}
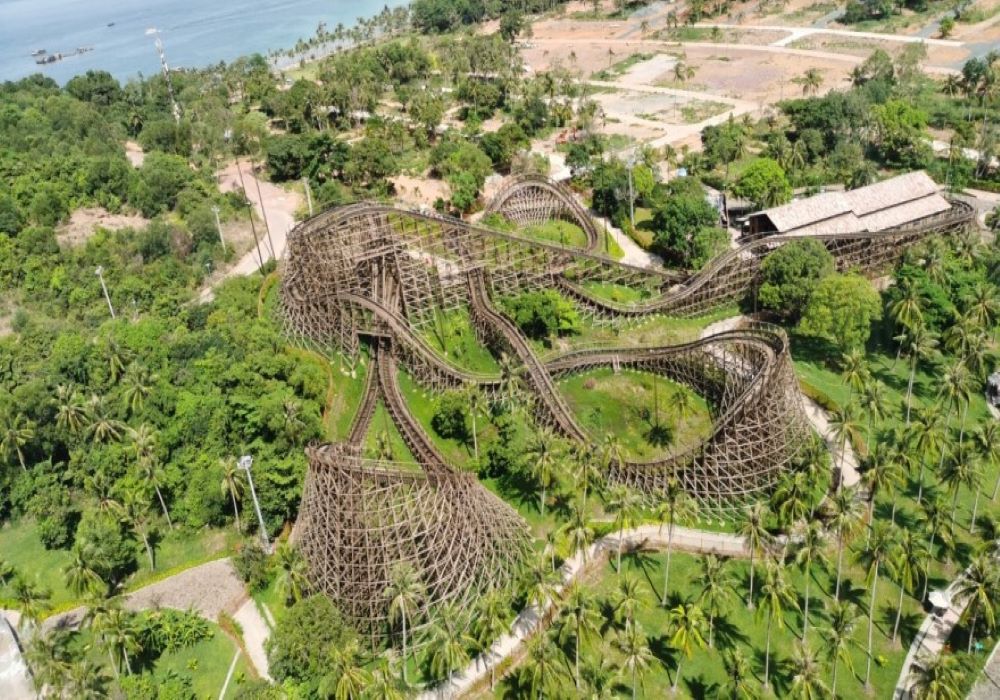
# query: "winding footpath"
{"points": [[532, 618]]}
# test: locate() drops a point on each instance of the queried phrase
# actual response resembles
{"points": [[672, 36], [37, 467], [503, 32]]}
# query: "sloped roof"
{"points": [[876, 207]]}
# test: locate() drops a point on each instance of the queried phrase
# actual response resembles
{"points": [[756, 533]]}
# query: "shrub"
{"points": [[544, 314], [300, 646], [251, 565], [449, 420]]}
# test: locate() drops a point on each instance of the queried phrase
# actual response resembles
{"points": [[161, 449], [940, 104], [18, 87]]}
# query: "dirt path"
{"points": [[795, 33]]}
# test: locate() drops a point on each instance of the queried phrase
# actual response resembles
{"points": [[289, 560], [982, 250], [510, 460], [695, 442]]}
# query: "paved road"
{"points": [[796, 33], [280, 206]]}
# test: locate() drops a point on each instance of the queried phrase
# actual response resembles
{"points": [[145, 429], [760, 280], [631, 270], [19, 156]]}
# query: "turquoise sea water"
{"points": [[195, 32]]}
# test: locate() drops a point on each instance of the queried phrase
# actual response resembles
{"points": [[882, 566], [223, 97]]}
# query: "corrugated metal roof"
{"points": [[882, 205]]}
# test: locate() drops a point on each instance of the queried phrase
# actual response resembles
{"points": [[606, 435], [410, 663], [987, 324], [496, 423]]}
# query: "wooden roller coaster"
{"points": [[378, 275]]}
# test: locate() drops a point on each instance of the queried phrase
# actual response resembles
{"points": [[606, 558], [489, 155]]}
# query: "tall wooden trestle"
{"points": [[380, 274]]}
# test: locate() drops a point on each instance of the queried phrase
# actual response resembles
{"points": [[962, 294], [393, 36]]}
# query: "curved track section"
{"points": [[361, 519], [528, 200]]}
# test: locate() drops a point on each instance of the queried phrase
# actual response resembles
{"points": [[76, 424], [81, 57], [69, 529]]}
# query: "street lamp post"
{"points": [[244, 463], [107, 297], [218, 227]]}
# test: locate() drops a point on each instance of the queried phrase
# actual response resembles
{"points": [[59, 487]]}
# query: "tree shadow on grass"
{"points": [[700, 688], [728, 635]]}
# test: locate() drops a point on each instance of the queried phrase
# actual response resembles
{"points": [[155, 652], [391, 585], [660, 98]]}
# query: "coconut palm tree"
{"points": [[543, 672], [683, 71], [477, 405], [883, 474], [292, 581], [854, 373], [384, 685], [938, 677], [810, 550], [776, 595], [806, 670], [929, 433], [980, 587], [447, 642], [844, 519], [983, 304], [134, 512], [577, 530], [987, 440], [114, 627], [879, 548], [635, 655], [791, 499], [811, 81], [150, 471], [718, 589], [543, 457], [622, 503], [348, 677], [81, 572], [580, 621], [873, 402], [16, 431], [839, 635], [137, 387], [30, 599], [628, 600], [755, 534], [739, 677], [919, 344], [685, 632], [71, 413], [909, 550], [961, 469], [489, 625], [676, 505], [844, 423], [907, 310], [938, 528], [406, 593], [956, 390], [233, 485], [543, 583]]}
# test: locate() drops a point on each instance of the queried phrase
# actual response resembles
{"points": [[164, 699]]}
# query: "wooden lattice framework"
{"points": [[375, 274]]}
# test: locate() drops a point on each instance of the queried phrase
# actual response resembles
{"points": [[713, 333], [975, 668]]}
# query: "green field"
{"points": [[641, 409]]}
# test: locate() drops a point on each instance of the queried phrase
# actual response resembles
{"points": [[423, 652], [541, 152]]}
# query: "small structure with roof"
{"points": [[883, 205]]}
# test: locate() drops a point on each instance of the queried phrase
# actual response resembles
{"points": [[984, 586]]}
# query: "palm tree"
{"points": [[811, 81], [81, 572], [543, 673], [71, 413], [490, 624], [938, 677], [980, 587], [904, 562], [114, 627], [919, 344], [683, 72], [987, 439], [956, 390], [738, 685], [150, 471], [476, 407], [806, 670], [406, 592], [348, 678], [628, 600], [16, 432], [809, 550], [233, 485], [718, 588], [543, 458], [50, 659], [845, 427], [755, 536], [839, 635], [791, 499], [635, 653], [543, 583], [580, 621], [383, 685], [983, 304], [936, 527], [929, 437], [30, 599], [292, 581], [855, 372], [138, 387], [103, 428], [845, 517], [873, 401], [776, 595], [961, 470], [685, 630], [134, 512], [578, 531], [908, 310], [87, 680], [622, 503], [883, 473], [447, 641], [880, 546], [677, 505]]}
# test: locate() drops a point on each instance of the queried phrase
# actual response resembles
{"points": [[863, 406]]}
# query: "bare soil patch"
{"points": [[83, 223], [422, 190]]}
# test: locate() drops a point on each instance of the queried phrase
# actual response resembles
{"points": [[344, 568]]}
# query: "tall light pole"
{"points": [[107, 297], [218, 227], [244, 463], [154, 32], [253, 228]]}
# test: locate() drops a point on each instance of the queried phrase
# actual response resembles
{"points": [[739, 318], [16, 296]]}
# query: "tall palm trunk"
{"points": [[909, 388], [767, 654], [163, 505], [972, 630], [871, 629], [840, 563], [236, 511], [975, 509], [666, 570], [750, 597], [405, 658], [805, 607], [899, 614]]}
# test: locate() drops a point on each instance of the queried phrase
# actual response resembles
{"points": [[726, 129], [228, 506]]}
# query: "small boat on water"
{"points": [[111, 24], [38, 52]]}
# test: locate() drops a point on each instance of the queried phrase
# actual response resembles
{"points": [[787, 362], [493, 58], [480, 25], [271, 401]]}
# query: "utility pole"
{"points": [[631, 195], [245, 462], [154, 32], [218, 227], [260, 201], [107, 297], [253, 228], [309, 199]]}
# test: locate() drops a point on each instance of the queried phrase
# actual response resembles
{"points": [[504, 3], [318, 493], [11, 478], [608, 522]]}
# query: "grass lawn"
{"points": [[348, 390], [620, 293], [456, 340], [643, 233], [638, 408], [177, 550], [557, 231], [382, 424], [207, 663], [742, 628]]}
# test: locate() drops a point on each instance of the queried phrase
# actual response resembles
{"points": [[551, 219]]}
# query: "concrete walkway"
{"points": [[208, 590], [988, 685]]}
